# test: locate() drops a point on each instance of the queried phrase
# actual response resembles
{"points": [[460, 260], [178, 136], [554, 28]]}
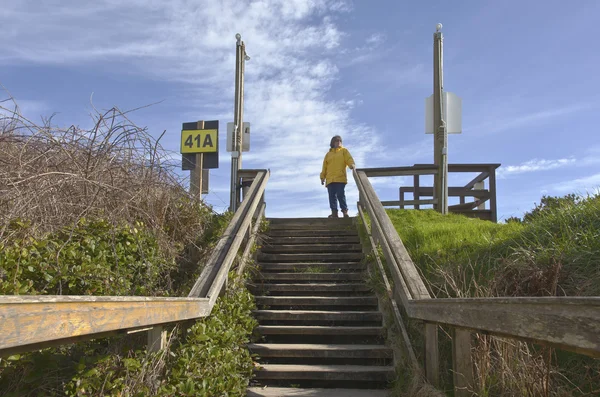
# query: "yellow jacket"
{"points": [[334, 165]]}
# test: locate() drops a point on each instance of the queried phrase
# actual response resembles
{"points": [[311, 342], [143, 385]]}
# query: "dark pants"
{"points": [[336, 193]]}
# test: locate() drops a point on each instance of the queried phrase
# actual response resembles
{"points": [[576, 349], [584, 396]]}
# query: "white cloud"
{"points": [[293, 46], [534, 166], [401, 152], [589, 184], [375, 39], [506, 122]]}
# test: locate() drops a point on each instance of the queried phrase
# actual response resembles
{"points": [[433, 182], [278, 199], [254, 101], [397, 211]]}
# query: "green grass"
{"points": [[454, 246], [557, 253], [554, 253]]}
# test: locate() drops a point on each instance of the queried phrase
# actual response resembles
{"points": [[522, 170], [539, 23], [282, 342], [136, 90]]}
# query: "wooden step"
{"points": [[309, 221], [318, 315], [318, 330], [314, 287], [296, 392], [317, 226], [309, 248], [325, 372], [316, 301], [311, 257], [311, 240], [324, 277], [311, 233], [320, 350], [311, 267]]}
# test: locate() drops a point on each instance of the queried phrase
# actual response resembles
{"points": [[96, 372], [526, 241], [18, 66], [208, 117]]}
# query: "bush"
{"points": [[212, 361], [93, 258], [215, 360]]}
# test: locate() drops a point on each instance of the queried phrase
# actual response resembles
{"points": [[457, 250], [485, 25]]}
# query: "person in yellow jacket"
{"points": [[334, 174]]}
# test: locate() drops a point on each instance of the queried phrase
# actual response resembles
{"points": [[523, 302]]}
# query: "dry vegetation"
{"points": [[102, 211], [53, 176]]}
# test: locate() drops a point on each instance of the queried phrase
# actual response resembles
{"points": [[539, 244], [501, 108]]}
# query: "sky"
{"points": [[526, 72]]}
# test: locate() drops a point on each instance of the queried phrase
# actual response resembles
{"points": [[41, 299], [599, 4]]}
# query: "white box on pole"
{"points": [[452, 113], [245, 137]]}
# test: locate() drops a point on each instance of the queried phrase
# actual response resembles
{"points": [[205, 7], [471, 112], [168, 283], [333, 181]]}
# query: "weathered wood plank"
{"points": [[407, 281], [400, 287], [452, 191], [223, 248], [566, 323], [390, 293], [474, 167], [28, 320], [466, 206], [251, 240], [285, 222], [426, 169], [416, 203], [249, 173], [157, 339], [479, 178], [416, 196], [432, 354], [407, 268], [493, 197], [248, 208], [462, 362]]}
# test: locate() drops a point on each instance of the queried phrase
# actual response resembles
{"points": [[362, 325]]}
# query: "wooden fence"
{"points": [[423, 195], [565, 323]]}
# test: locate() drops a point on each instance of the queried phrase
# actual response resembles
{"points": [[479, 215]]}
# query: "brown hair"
{"points": [[333, 139]]}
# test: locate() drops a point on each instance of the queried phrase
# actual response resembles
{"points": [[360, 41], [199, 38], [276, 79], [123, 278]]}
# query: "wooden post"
{"points": [[401, 198], [480, 186], [196, 173], [157, 339], [493, 208], [440, 134], [245, 184], [416, 195], [432, 359], [462, 363]]}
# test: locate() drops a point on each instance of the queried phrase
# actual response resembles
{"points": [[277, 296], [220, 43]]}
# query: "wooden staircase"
{"points": [[321, 332]]}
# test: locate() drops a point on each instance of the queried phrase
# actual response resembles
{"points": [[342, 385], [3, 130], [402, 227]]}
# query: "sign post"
{"points": [[200, 152], [238, 122], [443, 116]]}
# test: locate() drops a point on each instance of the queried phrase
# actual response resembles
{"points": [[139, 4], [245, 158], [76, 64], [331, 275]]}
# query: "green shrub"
{"points": [[92, 258], [214, 361]]}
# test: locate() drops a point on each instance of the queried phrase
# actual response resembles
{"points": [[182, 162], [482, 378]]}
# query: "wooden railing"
{"points": [[34, 322], [475, 188], [565, 323]]}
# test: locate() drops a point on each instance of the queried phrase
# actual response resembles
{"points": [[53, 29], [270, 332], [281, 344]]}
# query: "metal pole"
{"points": [[439, 126], [236, 153], [240, 129]]}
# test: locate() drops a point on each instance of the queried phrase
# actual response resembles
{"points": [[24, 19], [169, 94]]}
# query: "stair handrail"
{"points": [[34, 322], [570, 323]]}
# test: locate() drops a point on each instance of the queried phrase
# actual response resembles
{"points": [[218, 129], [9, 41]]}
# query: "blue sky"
{"points": [[526, 72]]}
